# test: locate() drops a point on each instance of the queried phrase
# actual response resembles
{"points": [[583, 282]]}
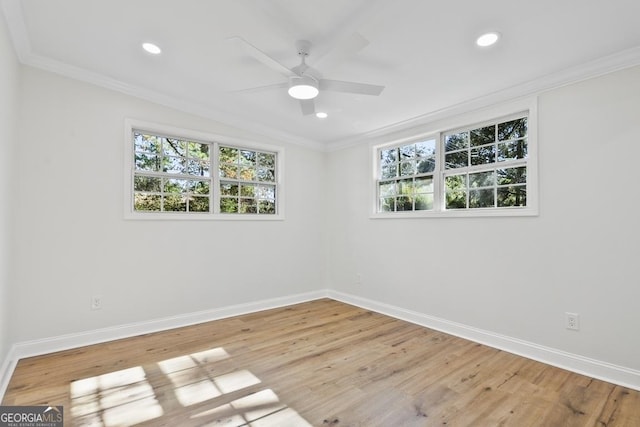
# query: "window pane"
{"points": [[425, 166], [228, 205], [405, 186], [147, 202], [199, 204], [481, 198], [147, 162], [456, 191], [513, 129], [175, 203], [388, 157], [248, 157], [247, 190], [512, 196], [512, 176], [483, 155], [146, 183], [404, 203], [482, 179], [266, 192], [174, 165], [248, 206], [147, 143], [456, 141], [512, 150], [458, 159], [424, 202], [485, 135], [228, 171], [424, 185], [199, 187], [174, 147], [387, 189], [390, 171], [268, 175], [387, 204], [407, 168], [407, 152], [426, 148], [198, 151], [228, 189], [199, 168], [266, 207], [267, 160], [228, 155], [248, 174], [175, 185]]}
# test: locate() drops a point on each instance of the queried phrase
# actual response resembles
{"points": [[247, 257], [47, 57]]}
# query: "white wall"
{"points": [[73, 241], [9, 80], [518, 276]]}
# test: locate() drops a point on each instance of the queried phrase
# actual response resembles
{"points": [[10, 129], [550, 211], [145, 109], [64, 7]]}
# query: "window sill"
{"points": [[459, 213], [152, 216]]}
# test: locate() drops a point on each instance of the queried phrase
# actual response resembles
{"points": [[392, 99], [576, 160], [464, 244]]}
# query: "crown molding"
{"points": [[187, 106], [618, 61], [12, 10]]}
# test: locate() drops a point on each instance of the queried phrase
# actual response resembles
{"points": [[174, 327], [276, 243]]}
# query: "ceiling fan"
{"points": [[304, 82]]}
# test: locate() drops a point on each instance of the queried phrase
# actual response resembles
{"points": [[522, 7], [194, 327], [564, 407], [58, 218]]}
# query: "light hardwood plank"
{"points": [[322, 363]]}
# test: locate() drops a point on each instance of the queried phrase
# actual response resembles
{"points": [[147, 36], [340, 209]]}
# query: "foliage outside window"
{"points": [[486, 167], [469, 169], [247, 181], [171, 174], [406, 177], [174, 175]]}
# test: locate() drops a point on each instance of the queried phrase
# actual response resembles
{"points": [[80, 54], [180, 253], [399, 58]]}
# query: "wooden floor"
{"points": [[322, 363]]}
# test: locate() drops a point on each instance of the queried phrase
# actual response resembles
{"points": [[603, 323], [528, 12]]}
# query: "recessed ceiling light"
{"points": [[321, 115], [488, 39], [151, 48]]}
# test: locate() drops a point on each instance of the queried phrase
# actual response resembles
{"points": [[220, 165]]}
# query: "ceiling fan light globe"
{"points": [[303, 87]]}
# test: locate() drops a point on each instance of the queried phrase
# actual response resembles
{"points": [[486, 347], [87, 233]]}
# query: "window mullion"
{"points": [[215, 178]]}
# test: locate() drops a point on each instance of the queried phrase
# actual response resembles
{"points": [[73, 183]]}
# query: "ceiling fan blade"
{"points": [[307, 106], [350, 87], [261, 88], [262, 57]]}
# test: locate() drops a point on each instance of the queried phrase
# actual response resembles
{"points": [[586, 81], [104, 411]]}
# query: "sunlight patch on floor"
{"points": [[146, 394], [113, 399]]}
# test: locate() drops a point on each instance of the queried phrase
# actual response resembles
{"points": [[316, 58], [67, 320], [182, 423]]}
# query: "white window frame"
{"points": [[215, 140], [436, 130]]}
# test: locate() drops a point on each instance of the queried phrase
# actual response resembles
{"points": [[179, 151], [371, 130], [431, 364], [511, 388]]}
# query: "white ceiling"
{"points": [[422, 51]]}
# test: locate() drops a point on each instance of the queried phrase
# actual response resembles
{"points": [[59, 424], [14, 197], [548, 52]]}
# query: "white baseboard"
{"points": [[608, 372], [620, 375], [8, 365], [65, 342]]}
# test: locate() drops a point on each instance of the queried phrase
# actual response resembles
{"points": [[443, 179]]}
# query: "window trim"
{"points": [[132, 125], [435, 131]]}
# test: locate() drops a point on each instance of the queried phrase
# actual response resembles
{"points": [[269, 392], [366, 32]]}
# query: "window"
{"points": [[199, 176], [406, 177], [170, 174], [484, 169], [247, 181]]}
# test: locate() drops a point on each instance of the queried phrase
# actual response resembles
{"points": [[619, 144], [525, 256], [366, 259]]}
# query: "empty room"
{"points": [[338, 213]]}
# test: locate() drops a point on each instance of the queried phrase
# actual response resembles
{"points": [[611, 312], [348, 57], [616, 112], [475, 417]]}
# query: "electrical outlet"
{"points": [[358, 279], [96, 302], [572, 321]]}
